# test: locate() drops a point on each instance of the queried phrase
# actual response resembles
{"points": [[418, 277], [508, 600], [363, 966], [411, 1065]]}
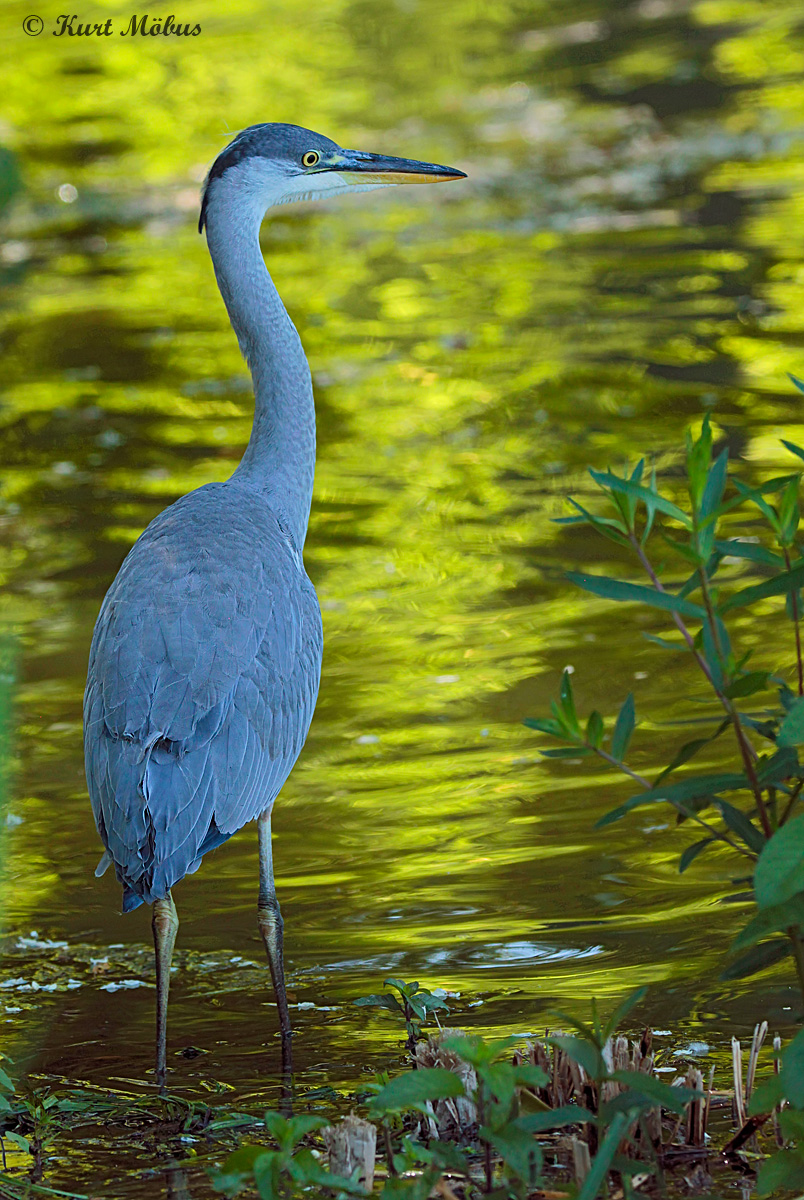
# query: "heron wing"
{"points": [[202, 681]]}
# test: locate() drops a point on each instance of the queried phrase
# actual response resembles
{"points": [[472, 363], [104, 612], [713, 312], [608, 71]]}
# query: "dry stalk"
{"points": [[760, 1033], [581, 1159], [454, 1118], [737, 1072], [696, 1112], [352, 1146], [708, 1099]]}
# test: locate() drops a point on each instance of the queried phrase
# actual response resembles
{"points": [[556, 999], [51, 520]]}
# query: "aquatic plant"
{"points": [[701, 591]]}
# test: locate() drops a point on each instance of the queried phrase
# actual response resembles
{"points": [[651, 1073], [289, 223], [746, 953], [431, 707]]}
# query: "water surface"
{"points": [[625, 255]]}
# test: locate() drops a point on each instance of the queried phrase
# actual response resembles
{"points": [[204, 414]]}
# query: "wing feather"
{"points": [[202, 682]]}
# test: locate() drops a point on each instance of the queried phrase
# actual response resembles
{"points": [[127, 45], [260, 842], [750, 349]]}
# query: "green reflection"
{"points": [[626, 252]]}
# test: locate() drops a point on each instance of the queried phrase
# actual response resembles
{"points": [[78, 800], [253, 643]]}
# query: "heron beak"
{"points": [[359, 168]]}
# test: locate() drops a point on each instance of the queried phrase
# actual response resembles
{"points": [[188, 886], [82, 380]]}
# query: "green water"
{"points": [[626, 253]]}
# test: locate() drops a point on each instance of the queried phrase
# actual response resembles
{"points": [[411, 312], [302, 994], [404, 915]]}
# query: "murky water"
{"points": [[625, 254]]}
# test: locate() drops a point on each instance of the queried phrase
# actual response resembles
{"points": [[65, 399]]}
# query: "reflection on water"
{"points": [[625, 253]]}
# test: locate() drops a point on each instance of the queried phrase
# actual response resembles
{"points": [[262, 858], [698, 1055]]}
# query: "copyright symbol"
{"points": [[33, 26]]}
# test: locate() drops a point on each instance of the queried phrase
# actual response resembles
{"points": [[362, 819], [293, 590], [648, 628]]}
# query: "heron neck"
{"points": [[280, 457]]}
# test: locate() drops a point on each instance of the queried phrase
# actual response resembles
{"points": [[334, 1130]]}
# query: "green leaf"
{"points": [[665, 643], [627, 487], [583, 1052], [675, 1099], [791, 730], [739, 823], [568, 752], [529, 1075], [782, 765], [777, 919], [603, 1159], [519, 1149], [545, 726], [594, 729], [378, 1000], [622, 1010], [715, 484], [689, 750], [766, 1096], [500, 1079], [267, 1173], [400, 985], [477, 1050], [557, 1118], [780, 870], [6, 1081], [699, 787], [750, 551], [784, 1172], [747, 685], [18, 1140], [759, 958], [792, 1071], [692, 852], [567, 701], [617, 589], [788, 581], [791, 446], [415, 1088], [624, 728], [310, 1172]]}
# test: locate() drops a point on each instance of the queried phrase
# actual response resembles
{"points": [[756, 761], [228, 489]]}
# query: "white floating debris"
{"points": [[123, 984], [367, 739], [12, 983], [11, 1009], [640, 674], [570, 670], [67, 193], [32, 942], [447, 678], [12, 820], [695, 1050]]}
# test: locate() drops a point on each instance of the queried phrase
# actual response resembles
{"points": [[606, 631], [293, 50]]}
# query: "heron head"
{"points": [[275, 164]]}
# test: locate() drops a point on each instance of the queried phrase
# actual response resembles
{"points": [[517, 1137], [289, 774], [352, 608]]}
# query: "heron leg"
{"points": [[269, 919], [165, 926]]}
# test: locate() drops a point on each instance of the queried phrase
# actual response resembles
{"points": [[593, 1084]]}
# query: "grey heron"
{"points": [[205, 660]]}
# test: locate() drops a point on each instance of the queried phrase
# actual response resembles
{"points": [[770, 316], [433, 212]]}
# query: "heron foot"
{"points": [[271, 926]]}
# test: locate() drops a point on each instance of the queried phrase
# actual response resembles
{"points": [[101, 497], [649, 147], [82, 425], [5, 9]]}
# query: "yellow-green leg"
{"points": [[165, 926], [269, 919]]}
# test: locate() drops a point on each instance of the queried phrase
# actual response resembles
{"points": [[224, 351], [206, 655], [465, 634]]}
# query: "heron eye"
{"points": [[310, 158]]}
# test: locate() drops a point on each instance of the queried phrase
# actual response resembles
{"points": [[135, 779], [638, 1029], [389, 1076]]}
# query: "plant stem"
{"points": [[798, 956], [389, 1150], [794, 795], [747, 751], [721, 837], [796, 615]]}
